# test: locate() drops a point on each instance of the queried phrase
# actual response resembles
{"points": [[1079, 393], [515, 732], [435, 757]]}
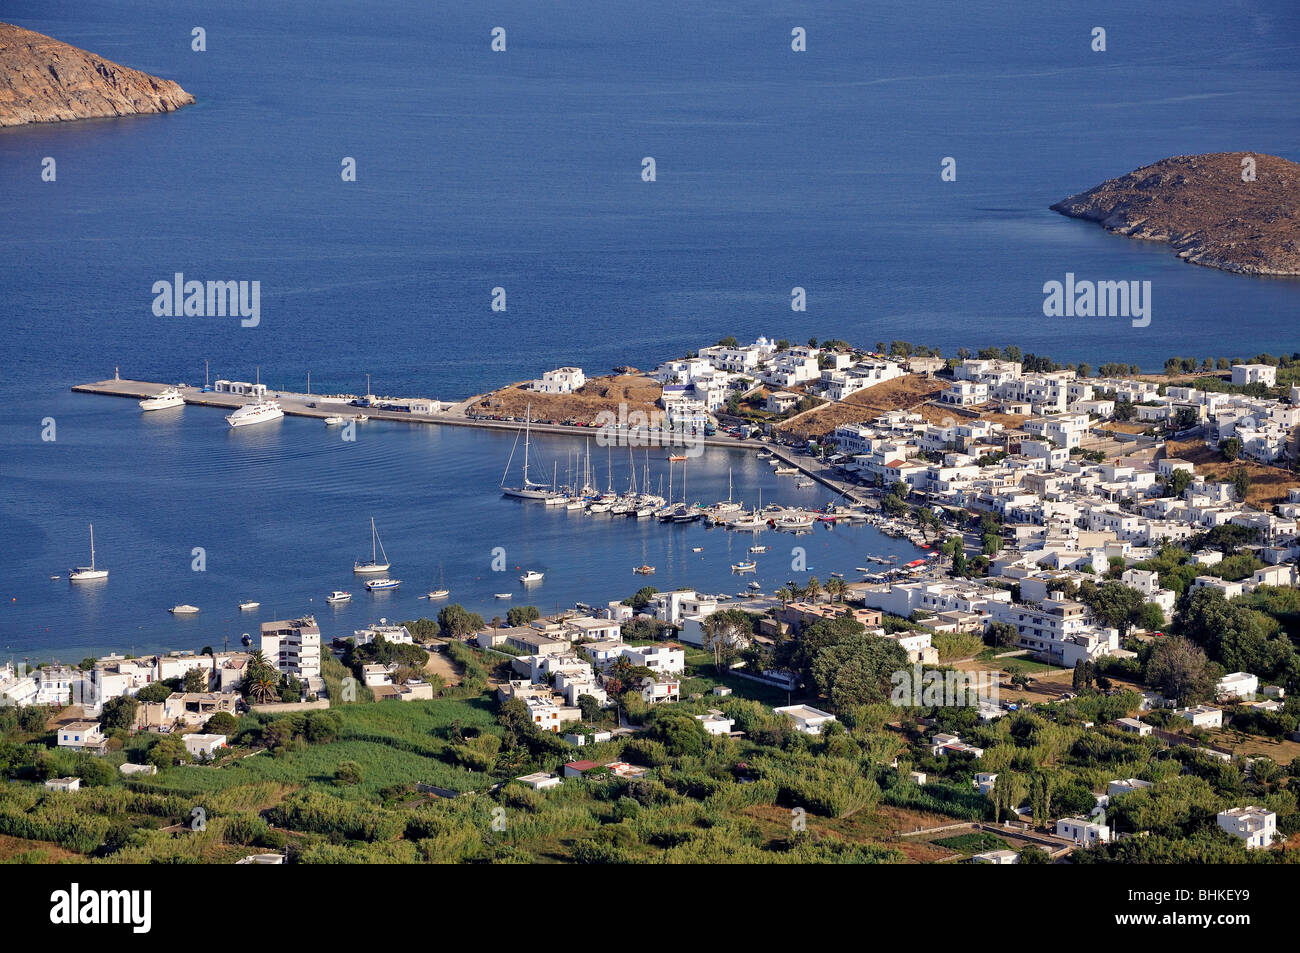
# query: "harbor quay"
{"points": [[455, 414]]}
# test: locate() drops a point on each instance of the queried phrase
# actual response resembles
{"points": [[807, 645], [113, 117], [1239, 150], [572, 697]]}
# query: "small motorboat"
{"points": [[56, 577], [374, 585], [504, 595], [532, 575], [758, 549], [744, 566], [644, 570], [837, 575], [338, 595], [183, 609], [755, 586], [360, 418], [248, 604], [697, 549], [786, 471], [334, 421]]}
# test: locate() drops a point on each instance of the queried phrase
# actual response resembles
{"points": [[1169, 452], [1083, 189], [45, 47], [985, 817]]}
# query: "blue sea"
{"points": [[522, 170]]}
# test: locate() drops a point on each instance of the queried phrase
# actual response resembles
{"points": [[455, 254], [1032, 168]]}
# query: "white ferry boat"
{"points": [[171, 397], [258, 412]]}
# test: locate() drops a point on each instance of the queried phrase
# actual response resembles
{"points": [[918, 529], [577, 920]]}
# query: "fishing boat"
{"points": [[758, 549], [754, 522], [338, 595], [644, 570], [360, 418], [531, 575], [375, 585], [528, 489], [333, 421], [376, 548], [749, 566], [248, 604], [183, 609], [88, 573], [794, 522], [163, 400]]}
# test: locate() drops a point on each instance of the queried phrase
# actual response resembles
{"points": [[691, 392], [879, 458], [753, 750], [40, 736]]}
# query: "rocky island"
{"points": [[1213, 209], [44, 80]]}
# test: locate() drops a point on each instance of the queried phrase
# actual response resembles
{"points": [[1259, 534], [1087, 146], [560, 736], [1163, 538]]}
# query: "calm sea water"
{"points": [[522, 170]]}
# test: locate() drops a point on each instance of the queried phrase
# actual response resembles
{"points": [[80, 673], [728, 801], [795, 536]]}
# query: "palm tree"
{"points": [[813, 589], [265, 686], [835, 589], [786, 595]]}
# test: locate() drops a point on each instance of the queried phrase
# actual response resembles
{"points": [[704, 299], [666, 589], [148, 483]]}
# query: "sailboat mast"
{"points": [[528, 413], [92, 545]]}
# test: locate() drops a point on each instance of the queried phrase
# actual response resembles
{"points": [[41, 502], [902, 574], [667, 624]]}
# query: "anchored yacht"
{"points": [[258, 412], [171, 397], [88, 573]]}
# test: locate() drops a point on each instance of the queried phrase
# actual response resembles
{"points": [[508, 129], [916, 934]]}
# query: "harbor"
{"points": [[281, 512], [327, 408]]}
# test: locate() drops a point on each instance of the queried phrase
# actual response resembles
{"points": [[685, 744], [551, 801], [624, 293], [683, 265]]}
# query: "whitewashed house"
{"points": [[1256, 826]]}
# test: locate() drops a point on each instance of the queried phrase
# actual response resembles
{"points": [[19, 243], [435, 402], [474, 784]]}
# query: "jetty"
{"points": [[456, 414]]}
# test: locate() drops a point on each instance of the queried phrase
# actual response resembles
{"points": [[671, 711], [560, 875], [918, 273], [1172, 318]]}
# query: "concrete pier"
{"points": [[296, 405]]}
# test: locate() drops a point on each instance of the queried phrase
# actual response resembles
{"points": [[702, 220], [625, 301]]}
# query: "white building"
{"points": [[393, 634], [292, 646], [562, 380], [1237, 685], [715, 722], [1254, 825], [666, 659], [204, 745], [996, 857], [1243, 374], [1202, 716], [807, 719], [82, 736], [1082, 831]]}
